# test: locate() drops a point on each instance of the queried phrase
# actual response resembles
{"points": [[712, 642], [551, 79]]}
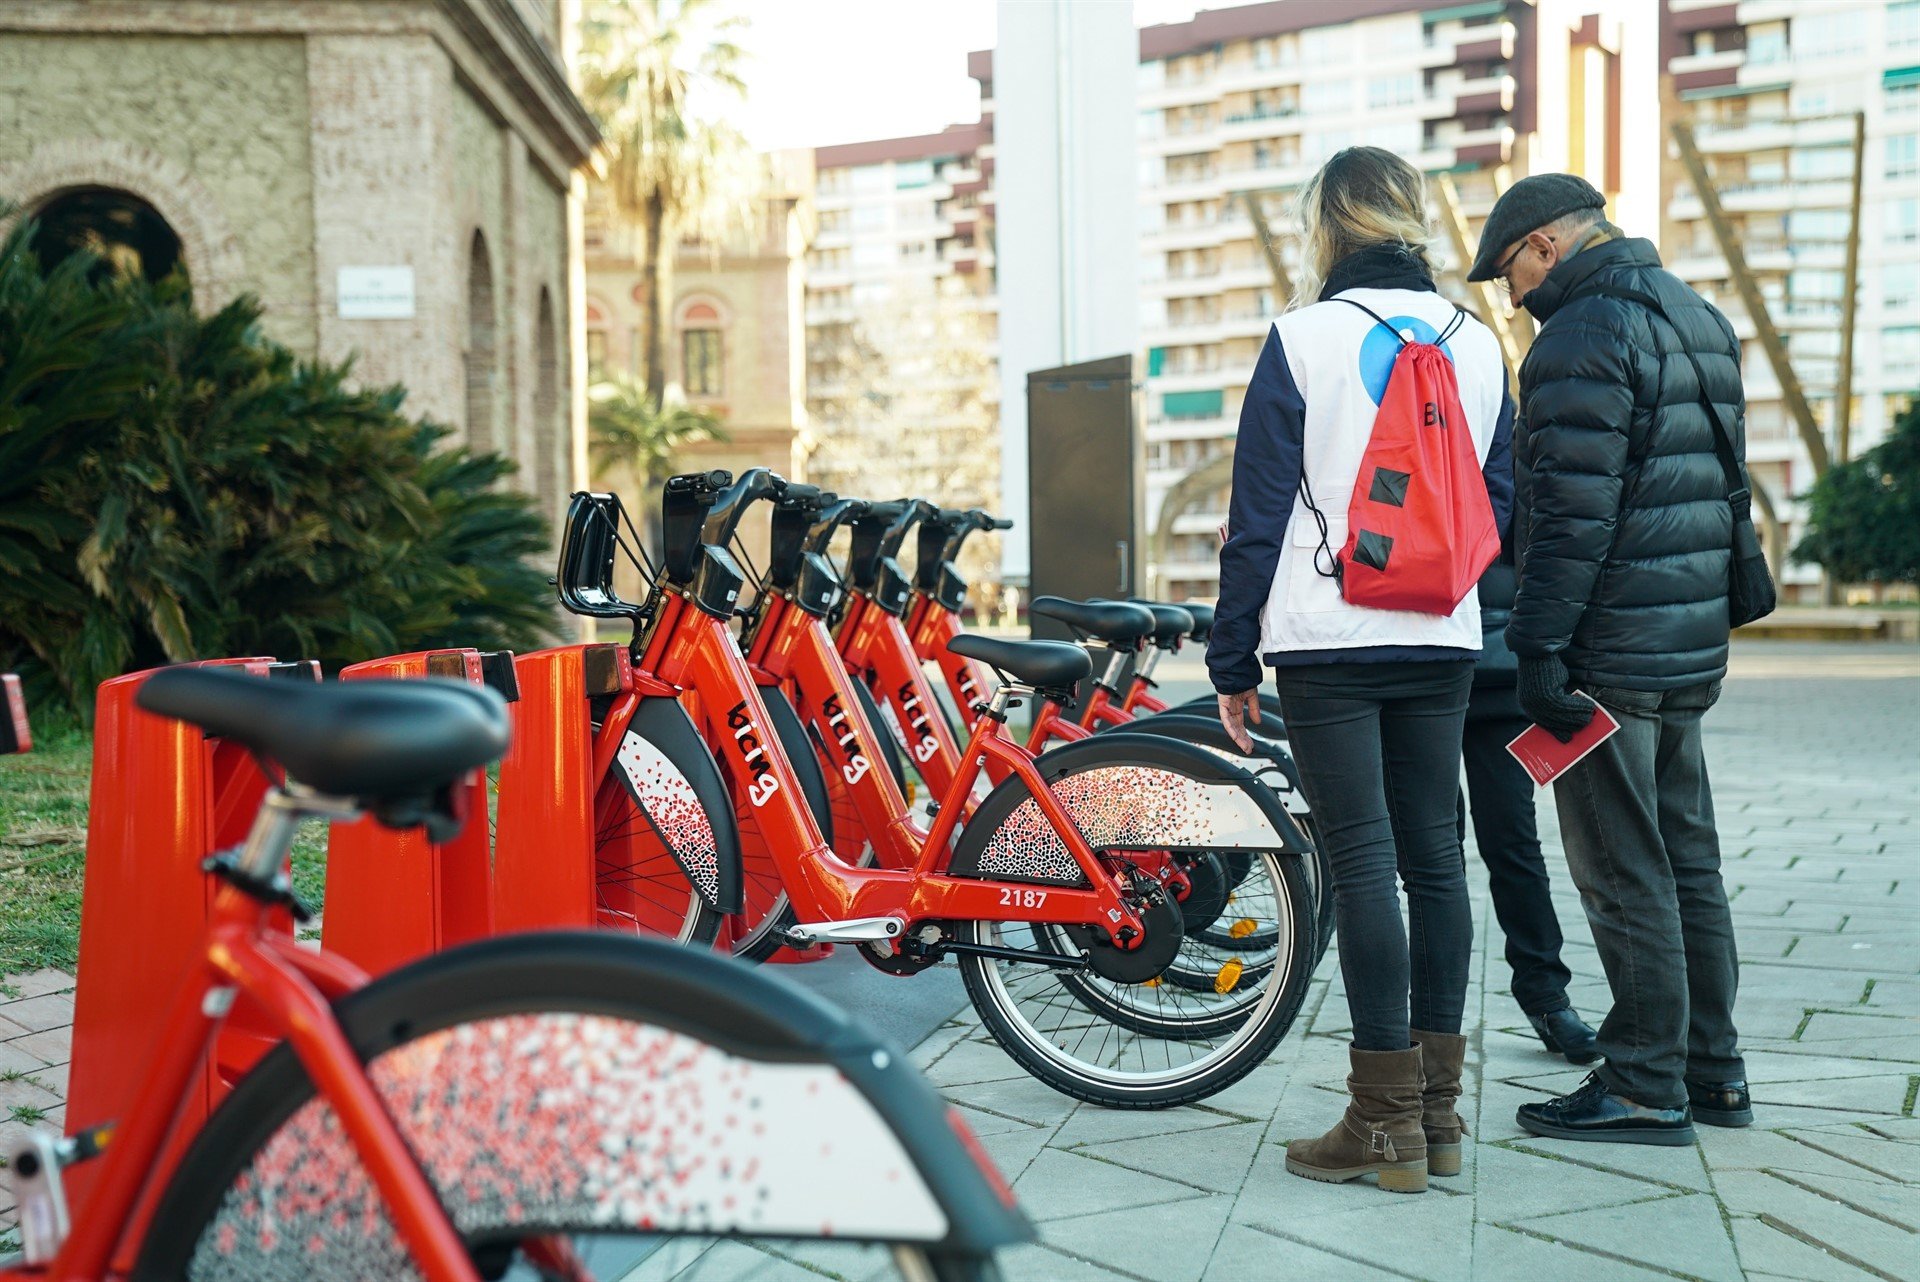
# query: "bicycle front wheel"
{"points": [[613, 1102]]}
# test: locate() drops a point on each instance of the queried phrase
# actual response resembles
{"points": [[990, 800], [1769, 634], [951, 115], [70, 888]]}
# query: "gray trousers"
{"points": [[1636, 818]]}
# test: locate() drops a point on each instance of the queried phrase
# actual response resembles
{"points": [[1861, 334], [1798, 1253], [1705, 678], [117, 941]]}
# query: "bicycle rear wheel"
{"points": [[634, 1101]]}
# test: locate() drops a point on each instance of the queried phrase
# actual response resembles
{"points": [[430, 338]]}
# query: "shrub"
{"points": [[1863, 517], [175, 486]]}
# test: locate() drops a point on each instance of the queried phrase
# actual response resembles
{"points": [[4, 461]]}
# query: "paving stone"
{"points": [[1014, 1151], [1059, 1184], [38, 983], [973, 1060], [1173, 1244], [1890, 1158], [38, 1014], [1215, 1159], [1502, 1255], [1781, 1254], [1041, 1263], [1864, 1191], [1428, 1235], [1249, 1254], [1512, 1185], [1837, 1227], [1786, 1066], [1017, 1097], [1093, 1125], [984, 1124], [1678, 1167], [1682, 1233], [15, 1059]]}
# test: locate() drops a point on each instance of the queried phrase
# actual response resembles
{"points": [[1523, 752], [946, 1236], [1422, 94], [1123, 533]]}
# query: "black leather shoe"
{"points": [[1565, 1033], [1595, 1113], [1720, 1103]]}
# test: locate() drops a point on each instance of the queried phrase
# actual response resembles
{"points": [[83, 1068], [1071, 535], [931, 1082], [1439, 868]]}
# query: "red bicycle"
{"points": [[563, 1104], [1048, 897]]}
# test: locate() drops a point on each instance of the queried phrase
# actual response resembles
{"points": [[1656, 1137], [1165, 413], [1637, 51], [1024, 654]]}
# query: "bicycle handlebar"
{"points": [[731, 504]]}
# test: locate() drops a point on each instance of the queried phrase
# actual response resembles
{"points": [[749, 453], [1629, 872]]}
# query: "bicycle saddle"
{"points": [[1115, 622], [1046, 665], [1171, 623], [1202, 620], [369, 741]]}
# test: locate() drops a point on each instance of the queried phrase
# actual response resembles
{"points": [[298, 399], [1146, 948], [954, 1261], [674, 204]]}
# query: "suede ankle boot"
{"points": [[1442, 1055], [1380, 1131]]}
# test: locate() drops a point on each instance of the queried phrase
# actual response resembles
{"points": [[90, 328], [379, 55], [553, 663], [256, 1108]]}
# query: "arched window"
{"points": [[597, 323], [550, 443], [702, 353], [480, 347], [126, 233]]}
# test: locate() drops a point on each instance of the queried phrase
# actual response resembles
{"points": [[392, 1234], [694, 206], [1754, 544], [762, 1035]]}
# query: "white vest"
{"points": [[1340, 359]]}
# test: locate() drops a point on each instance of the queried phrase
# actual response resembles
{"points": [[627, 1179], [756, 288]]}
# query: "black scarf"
{"points": [[1382, 266]]}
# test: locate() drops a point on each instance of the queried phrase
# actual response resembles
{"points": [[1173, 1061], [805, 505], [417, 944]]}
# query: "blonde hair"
{"points": [[1363, 196]]}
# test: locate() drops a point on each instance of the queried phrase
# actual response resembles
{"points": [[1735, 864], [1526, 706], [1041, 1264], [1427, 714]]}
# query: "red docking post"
{"points": [[394, 897], [164, 797], [543, 867]]}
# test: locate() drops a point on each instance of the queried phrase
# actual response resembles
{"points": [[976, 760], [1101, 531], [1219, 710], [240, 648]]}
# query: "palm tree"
{"points": [[670, 168], [627, 425]]}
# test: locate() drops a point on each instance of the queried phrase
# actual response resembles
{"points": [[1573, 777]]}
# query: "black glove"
{"points": [[1546, 701]]}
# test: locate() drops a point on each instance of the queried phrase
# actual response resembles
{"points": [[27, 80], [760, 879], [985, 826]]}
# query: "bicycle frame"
{"points": [[691, 649], [291, 987]]}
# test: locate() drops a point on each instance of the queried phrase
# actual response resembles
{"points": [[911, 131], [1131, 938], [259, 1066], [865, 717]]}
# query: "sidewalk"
{"points": [[1816, 757], [1815, 751]]}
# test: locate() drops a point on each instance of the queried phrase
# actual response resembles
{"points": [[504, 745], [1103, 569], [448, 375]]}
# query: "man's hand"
{"points": [[1547, 702], [1236, 710]]}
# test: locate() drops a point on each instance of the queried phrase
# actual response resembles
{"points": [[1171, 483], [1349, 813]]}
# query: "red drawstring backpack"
{"points": [[1420, 529]]}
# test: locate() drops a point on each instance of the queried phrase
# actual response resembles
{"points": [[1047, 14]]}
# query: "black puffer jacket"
{"points": [[1621, 516]]}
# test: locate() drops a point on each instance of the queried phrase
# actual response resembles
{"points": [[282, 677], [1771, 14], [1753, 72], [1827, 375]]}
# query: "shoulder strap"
{"points": [[1737, 492], [1378, 319]]}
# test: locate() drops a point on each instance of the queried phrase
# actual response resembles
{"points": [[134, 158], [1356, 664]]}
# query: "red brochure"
{"points": [[1545, 758]]}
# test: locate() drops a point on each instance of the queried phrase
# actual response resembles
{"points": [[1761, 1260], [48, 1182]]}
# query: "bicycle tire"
{"points": [[1131, 793], [269, 1189]]}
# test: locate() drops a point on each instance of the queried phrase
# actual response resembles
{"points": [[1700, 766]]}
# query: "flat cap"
{"points": [[1530, 204]]}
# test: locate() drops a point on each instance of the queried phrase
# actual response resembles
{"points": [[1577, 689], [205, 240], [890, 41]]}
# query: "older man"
{"points": [[1625, 543]]}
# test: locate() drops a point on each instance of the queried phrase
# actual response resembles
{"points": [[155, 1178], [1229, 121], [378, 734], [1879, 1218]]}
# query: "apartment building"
{"points": [[1771, 88], [1239, 106], [1236, 108], [901, 387]]}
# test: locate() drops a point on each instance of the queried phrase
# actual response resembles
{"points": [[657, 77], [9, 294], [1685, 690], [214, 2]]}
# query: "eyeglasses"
{"points": [[1500, 270]]}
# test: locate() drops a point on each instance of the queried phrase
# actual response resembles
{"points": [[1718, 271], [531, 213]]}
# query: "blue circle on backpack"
{"points": [[1379, 350]]}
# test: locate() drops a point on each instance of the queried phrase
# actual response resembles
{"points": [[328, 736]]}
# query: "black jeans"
{"points": [[1637, 820], [1501, 795], [1378, 745]]}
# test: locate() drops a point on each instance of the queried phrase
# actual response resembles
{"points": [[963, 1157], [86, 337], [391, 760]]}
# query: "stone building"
{"points": [[394, 179], [736, 332]]}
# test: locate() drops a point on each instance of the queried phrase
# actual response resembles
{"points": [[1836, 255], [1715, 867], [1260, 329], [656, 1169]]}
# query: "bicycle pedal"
{"points": [[40, 1196]]}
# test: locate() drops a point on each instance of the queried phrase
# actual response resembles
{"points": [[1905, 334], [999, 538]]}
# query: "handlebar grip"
{"points": [[890, 510], [718, 479], [1000, 523]]}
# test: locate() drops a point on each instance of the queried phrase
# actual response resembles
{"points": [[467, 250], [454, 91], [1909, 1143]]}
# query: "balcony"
{"points": [[1492, 146], [1246, 125], [1719, 60], [1488, 95]]}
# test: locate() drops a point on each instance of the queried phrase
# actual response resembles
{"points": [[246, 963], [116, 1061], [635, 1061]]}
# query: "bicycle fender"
{"points": [[1270, 762], [1124, 791], [675, 781]]}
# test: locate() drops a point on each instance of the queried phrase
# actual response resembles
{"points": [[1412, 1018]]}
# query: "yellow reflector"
{"points": [[913, 792], [1242, 928], [1151, 983], [1229, 975]]}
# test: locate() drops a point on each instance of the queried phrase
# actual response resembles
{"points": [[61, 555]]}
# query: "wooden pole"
{"points": [[1756, 304], [1490, 313], [1843, 383], [1282, 282]]}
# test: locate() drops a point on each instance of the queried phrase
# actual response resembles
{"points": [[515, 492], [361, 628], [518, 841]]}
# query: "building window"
{"points": [[596, 354], [1903, 155], [1393, 91], [1329, 98], [1903, 220], [1899, 283], [480, 346], [702, 352], [1826, 34], [1767, 44], [1900, 346], [1903, 25], [1903, 100]]}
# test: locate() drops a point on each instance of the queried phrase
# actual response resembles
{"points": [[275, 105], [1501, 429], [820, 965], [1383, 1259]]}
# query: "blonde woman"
{"points": [[1374, 699]]}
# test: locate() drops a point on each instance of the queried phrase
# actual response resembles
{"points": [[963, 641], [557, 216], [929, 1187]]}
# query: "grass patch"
{"points": [[27, 1113], [43, 836]]}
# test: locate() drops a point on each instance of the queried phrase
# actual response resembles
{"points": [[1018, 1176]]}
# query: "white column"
{"points": [[1066, 215]]}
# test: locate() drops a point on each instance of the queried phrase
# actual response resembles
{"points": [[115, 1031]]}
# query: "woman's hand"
{"points": [[1236, 711]]}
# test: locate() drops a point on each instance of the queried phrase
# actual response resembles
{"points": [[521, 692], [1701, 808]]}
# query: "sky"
{"points": [[832, 71]]}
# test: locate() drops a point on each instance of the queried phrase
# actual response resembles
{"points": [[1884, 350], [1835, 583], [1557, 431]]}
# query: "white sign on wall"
{"points": [[376, 293]]}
